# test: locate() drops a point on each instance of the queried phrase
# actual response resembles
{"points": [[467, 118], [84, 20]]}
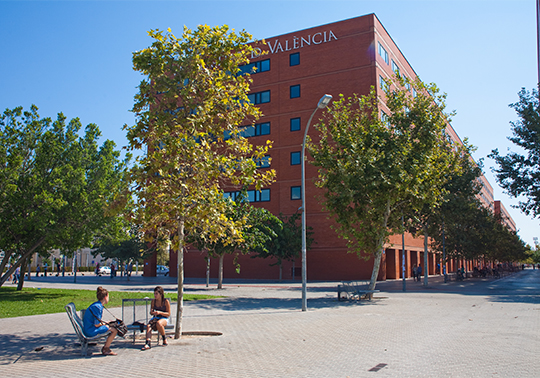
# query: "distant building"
{"points": [[506, 219]]}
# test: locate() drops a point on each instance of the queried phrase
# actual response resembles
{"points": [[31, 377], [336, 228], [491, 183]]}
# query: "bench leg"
{"points": [[84, 348]]}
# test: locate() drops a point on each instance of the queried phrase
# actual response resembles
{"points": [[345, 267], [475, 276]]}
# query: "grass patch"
{"points": [[36, 301]]}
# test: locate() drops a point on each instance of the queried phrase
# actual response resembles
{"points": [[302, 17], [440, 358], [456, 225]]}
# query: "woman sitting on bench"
{"points": [[93, 325], [161, 310]]}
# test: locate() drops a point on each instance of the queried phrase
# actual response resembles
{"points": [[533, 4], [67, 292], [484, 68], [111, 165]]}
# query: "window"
{"points": [[295, 91], [253, 195], [255, 67], [256, 196], [295, 158], [382, 83], [256, 130], [407, 82], [259, 97], [294, 59], [296, 192], [383, 53], [384, 118], [263, 162], [395, 68], [295, 124]]}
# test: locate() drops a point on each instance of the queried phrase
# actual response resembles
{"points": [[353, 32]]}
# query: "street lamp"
{"points": [[323, 102]]}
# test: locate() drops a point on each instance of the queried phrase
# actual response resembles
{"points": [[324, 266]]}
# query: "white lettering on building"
{"points": [[296, 43]]}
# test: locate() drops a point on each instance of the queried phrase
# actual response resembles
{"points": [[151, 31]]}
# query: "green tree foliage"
{"points": [[456, 212], [55, 185], [467, 227], [192, 96], [288, 241], [257, 226], [519, 174], [127, 245], [506, 245], [534, 255], [372, 170]]}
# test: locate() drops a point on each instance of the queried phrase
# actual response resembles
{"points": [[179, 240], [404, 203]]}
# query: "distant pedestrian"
{"points": [[17, 275], [112, 270], [419, 272], [11, 275], [414, 272], [38, 270], [57, 268], [45, 269]]}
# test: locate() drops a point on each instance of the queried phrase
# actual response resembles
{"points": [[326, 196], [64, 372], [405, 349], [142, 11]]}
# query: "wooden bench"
{"points": [[77, 324], [137, 310], [355, 290]]}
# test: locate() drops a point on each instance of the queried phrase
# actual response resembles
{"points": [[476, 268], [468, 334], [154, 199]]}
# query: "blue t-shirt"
{"points": [[90, 321]]}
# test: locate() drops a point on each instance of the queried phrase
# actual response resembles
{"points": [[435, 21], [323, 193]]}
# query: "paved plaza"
{"points": [[475, 328]]}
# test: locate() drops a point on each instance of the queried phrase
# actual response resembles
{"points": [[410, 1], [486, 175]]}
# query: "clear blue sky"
{"points": [[75, 56]]}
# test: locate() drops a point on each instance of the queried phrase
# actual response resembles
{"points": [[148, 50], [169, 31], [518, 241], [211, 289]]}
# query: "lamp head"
{"points": [[324, 101]]}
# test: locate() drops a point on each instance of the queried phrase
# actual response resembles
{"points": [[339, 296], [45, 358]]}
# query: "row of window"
{"points": [[382, 85], [264, 194], [264, 65], [395, 68], [255, 67], [264, 96], [263, 128], [384, 55], [265, 161], [253, 195]]}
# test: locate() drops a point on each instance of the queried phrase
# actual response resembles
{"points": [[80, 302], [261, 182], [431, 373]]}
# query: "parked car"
{"points": [[162, 269], [104, 270]]}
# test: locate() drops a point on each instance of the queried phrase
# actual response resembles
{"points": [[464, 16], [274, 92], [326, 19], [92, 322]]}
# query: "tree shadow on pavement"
{"points": [[230, 305], [27, 347]]}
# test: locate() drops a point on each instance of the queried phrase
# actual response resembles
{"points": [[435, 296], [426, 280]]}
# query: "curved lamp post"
{"points": [[323, 102]]}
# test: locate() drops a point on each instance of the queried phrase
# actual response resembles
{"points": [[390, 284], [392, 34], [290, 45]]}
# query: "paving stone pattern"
{"points": [[475, 328]]}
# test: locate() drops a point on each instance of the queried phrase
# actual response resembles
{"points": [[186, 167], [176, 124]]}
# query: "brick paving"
{"points": [[475, 328]]}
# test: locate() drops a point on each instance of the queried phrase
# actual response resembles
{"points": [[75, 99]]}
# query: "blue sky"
{"points": [[75, 56]]}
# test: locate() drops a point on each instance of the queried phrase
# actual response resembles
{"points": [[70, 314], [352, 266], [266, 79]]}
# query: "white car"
{"points": [[162, 270], [104, 270]]}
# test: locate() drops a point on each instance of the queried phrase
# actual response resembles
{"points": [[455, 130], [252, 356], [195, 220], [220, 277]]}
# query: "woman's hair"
{"points": [[101, 293], [159, 289]]}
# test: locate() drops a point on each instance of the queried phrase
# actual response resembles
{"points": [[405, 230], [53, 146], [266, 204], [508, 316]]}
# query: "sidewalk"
{"points": [[474, 328]]}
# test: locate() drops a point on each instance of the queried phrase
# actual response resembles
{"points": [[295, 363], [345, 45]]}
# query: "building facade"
{"points": [[293, 71]]}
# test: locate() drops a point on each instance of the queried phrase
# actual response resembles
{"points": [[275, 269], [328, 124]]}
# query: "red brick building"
{"points": [[345, 57]]}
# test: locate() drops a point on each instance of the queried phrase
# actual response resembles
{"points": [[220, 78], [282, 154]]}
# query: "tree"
{"points": [[192, 97], [257, 227], [54, 185], [456, 214], [519, 174], [128, 244], [374, 166], [288, 241]]}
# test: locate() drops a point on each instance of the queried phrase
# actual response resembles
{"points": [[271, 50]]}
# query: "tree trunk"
{"points": [[208, 271], [180, 275], [220, 272], [426, 266], [26, 255], [20, 284], [378, 255]]}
